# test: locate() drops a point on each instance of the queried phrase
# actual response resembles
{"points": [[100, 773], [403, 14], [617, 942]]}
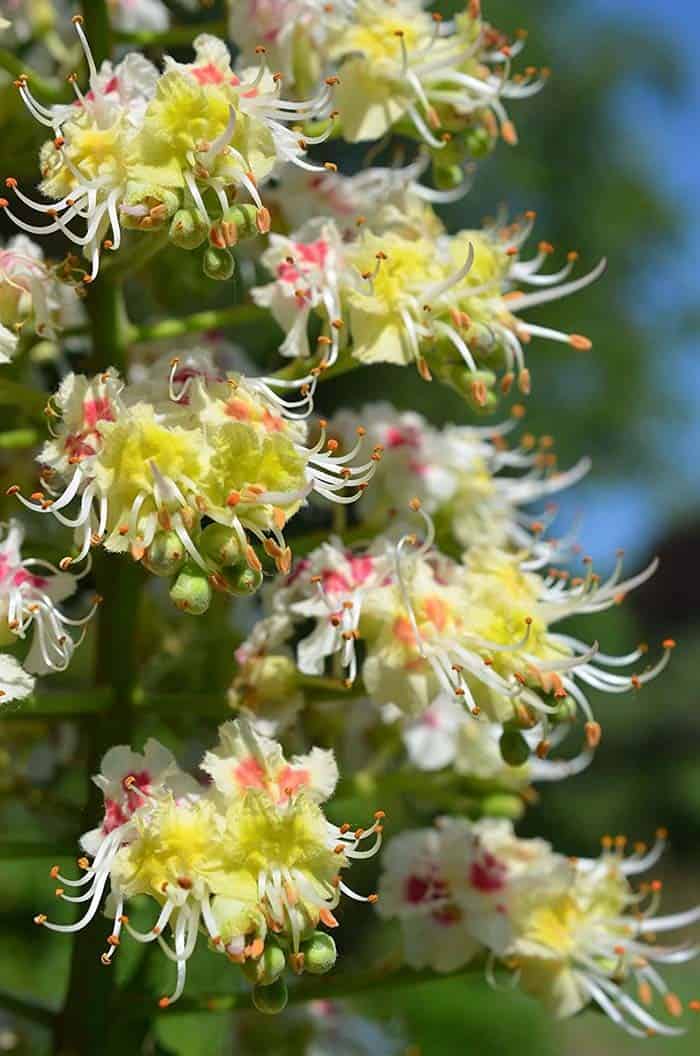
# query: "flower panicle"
{"points": [[570, 931], [142, 149], [249, 859], [169, 470]]}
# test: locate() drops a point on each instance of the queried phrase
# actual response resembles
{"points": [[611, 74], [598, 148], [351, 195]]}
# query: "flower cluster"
{"points": [[250, 857], [30, 591], [402, 69], [450, 304], [183, 468], [143, 150], [417, 626], [473, 485], [571, 931]]}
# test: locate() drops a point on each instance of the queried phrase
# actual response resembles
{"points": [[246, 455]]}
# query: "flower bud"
{"points": [[220, 545], [479, 142], [146, 206], [267, 968], [187, 229], [476, 387], [515, 751], [166, 554], [241, 579], [566, 710], [244, 217], [218, 264], [192, 591], [270, 999], [447, 176], [501, 805], [319, 953]]}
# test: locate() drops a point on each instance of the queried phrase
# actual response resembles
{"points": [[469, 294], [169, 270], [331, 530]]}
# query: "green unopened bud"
{"points": [[248, 220], [476, 386], [192, 591], [503, 806], [479, 141], [515, 751], [241, 579], [218, 264], [447, 176], [220, 545], [319, 953], [566, 710], [266, 968], [188, 229], [271, 999], [166, 554], [146, 206]]}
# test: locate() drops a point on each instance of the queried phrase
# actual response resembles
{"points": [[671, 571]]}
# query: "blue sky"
{"points": [[633, 513]]}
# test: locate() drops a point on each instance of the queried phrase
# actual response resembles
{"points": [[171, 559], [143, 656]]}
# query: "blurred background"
{"points": [[609, 158]]}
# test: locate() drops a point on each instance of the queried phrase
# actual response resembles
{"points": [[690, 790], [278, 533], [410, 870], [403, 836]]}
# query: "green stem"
{"points": [[213, 319], [301, 367], [173, 37], [49, 90], [84, 1023], [18, 438]]}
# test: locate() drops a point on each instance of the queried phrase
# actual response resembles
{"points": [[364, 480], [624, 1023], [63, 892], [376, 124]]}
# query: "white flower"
{"points": [[15, 683], [294, 34], [400, 65], [29, 600], [413, 887], [380, 197], [133, 16], [307, 274], [582, 933], [29, 292], [448, 304], [467, 478], [451, 888], [481, 633], [8, 344], [129, 780]]}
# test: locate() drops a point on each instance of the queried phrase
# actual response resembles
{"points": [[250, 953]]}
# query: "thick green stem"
{"points": [[83, 1025]]}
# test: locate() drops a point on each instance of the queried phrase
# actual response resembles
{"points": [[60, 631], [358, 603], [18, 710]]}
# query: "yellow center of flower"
{"points": [[378, 35], [266, 836], [135, 443], [403, 266]]}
